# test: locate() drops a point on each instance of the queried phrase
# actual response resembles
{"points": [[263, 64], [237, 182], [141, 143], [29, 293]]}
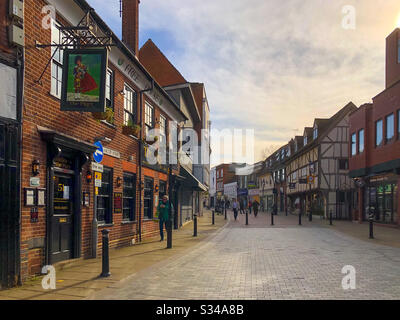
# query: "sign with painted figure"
{"points": [[84, 77], [99, 153]]}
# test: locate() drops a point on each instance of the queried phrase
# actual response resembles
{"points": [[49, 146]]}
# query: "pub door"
{"points": [[62, 217], [9, 204]]}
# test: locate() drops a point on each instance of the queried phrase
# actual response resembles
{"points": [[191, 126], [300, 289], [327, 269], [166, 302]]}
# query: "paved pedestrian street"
{"points": [[286, 261]]}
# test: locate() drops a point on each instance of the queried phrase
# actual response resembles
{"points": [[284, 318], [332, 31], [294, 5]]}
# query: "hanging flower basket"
{"points": [[133, 130], [107, 115], [155, 139]]}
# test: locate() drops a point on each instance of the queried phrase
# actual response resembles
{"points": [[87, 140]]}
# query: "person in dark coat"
{"points": [[241, 207], [255, 207], [163, 214]]}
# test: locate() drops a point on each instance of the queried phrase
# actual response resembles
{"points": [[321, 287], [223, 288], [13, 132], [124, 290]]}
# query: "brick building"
{"points": [[375, 146], [62, 212], [11, 74], [192, 101]]}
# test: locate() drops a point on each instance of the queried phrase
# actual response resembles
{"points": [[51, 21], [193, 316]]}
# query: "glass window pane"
{"points": [[390, 127], [379, 132], [361, 141]]}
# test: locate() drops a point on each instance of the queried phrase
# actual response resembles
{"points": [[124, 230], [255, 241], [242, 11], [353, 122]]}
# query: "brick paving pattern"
{"points": [[262, 262]]}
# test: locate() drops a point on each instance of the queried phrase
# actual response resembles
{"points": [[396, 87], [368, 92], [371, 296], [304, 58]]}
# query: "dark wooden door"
{"points": [[62, 218], [9, 204]]}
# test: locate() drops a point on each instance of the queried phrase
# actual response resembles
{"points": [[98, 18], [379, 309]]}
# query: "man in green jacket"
{"points": [[163, 214]]}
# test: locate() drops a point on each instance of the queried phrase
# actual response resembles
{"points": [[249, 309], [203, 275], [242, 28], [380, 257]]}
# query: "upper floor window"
{"points": [[222, 173], [110, 89], [295, 147], [343, 164], [315, 133], [361, 141], [129, 105], [163, 129], [305, 140], [57, 37], [398, 122], [389, 127], [148, 118], [353, 144], [378, 132]]}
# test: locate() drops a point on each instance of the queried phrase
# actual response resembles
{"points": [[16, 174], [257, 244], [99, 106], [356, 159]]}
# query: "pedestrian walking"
{"points": [[241, 207], [163, 214], [250, 204], [255, 207], [235, 208]]}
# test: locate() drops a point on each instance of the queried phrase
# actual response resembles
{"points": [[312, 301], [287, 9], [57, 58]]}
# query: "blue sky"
{"points": [[272, 66]]}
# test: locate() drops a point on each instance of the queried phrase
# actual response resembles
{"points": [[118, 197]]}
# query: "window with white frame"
{"points": [[163, 129], [148, 118], [57, 61], [110, 89], [129, 105]]}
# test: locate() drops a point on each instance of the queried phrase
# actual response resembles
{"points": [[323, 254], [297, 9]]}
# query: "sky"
{"points": [[271, 66]]}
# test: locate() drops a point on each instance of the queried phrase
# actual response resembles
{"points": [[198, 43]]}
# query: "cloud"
{"points": [[272, 66]]}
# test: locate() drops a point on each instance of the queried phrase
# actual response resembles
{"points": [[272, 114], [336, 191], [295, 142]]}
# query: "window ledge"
{"points": [[108, 124], [54, 96], [106, 225], [148, 219], [128, 222]]}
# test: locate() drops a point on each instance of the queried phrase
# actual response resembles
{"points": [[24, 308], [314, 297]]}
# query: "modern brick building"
{"points": [[61, 213], [375, 146]]}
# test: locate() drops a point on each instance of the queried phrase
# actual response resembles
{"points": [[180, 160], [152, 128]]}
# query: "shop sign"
{"points": [[242, 192], [292, 186], [303, 181], [117, 202], [97, 167], [84, 80], [254, 192]]}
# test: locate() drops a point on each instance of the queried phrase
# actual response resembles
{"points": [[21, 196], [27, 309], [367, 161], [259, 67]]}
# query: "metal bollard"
{"points": [[330, 217], [169, 234], [195, 226], [247, 218], [213, 217], [300, 218], [105, 272], [310, 216], [225, 214], [272, 218], [371, 227]]}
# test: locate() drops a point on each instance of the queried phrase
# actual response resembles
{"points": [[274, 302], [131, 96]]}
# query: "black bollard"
{"points": [[195, 226], [330, 217], [247, 218], [310, 216], [105, 272], [169, 234], [272, 218], [213, 217], [371, 227], [225, 214], [300, 218]]}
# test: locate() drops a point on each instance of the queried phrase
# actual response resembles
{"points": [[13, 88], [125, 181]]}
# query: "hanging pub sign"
{"points": [[84, 77]]}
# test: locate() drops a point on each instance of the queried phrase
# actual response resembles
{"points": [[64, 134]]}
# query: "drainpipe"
{"points": [[140, 156]]}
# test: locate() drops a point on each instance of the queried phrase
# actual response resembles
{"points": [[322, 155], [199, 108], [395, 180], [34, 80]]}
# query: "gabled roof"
{"points": [[159, 66], [308, 132], [325, 126]]}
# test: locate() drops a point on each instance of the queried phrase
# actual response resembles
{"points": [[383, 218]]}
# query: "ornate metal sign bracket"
{"points": [[87, 34]]}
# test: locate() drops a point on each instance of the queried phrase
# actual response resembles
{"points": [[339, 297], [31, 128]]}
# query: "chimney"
{"points": [[130, 24], [393, 58]]}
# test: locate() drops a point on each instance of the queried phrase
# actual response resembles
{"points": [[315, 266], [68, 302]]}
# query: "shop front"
{"points": [[65, 158], [381, 196]]}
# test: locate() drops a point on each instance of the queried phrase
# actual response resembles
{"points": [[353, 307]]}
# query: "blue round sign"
{"points": [[99, 153]]}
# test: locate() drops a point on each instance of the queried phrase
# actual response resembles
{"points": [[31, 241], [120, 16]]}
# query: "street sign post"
{"points": [[99, 153]]}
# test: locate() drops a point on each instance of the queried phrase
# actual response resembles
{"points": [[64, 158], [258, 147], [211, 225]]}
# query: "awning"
{"points": [[191, 181]]}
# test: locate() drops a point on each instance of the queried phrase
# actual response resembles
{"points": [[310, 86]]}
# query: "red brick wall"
{"points": [[41, 108], [392, 65]]}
